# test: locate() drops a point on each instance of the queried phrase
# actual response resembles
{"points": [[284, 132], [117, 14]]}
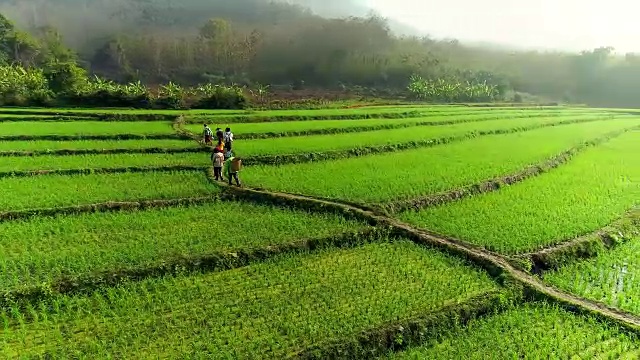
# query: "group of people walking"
{"points": [[222, 157]]}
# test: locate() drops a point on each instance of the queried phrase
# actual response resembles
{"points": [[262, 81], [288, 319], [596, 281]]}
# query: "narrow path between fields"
{"points": [[497, 265]]}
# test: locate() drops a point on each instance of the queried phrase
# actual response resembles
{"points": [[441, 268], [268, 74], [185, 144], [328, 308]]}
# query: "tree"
{"points": [[216, 29], [52, 48]]}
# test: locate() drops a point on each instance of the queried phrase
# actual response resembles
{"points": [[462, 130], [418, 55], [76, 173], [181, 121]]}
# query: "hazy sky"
{"points": [[567, 24]]}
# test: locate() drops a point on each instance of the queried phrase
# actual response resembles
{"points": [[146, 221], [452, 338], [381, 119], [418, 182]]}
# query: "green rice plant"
{"points": [[610, 278], [354, 114], [287, 128], [267, 310], [99, 161], [334, 142], [45, 249], [75, 111], [63, 190], [45, 145], [534, 331], [29, 116], [414, 173], [584, 195], [196, 115], [79, 128]]}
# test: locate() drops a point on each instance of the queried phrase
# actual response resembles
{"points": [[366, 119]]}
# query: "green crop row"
{"points": [[44, 147], [493, 184], [64, 190], [319, 127], [23, 138], [588, 246], [45, 249], [84, 128], [380, 138], [267, 310], [297, 158], [530, 332], [110, 111], [141, 115], [104, 170], [415, 173], [318, 115], [101, 161], [30, 117], [580, 197], [610, 278]]}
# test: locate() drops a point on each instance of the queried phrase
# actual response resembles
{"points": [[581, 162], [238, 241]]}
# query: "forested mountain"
{"points": [[288, 42]]}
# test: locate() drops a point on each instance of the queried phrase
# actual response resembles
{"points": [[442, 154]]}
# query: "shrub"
{"points": [[219, 97], [452, 91], [171, 96], [105, 93], [65, 77], [23, 86]]}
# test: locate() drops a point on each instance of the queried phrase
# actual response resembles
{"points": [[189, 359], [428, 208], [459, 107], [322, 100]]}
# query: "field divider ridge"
{"points": [[107, 170], [79, 115], [258, 118], [498, 266], [389, 126], [93, 137], [497, 183], [67, 152], [401, 334], [230, 196], [107, 206], [299, 158], [587, 246], [45, 118], [185, 264]]}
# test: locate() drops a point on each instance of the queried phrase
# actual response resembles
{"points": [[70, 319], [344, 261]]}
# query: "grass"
{"points": [[531, 332], [44, 249], [61, 190], [584, 195], [267, 310], [76, 128], [413, 173], [94, 144], [126, 111], [274, 306], [52, 162], [320, 143], [9, 117], [301, 126], [610, 278], [214, 113]]}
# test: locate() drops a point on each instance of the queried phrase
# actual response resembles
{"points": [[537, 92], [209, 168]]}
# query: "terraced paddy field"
{"points": [[398, 232]]}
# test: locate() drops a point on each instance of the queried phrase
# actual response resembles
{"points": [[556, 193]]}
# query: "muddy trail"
{"points": [[498, 266]]}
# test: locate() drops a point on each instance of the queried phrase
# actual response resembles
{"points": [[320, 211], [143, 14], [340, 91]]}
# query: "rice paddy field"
{"points": [[380, 232]]}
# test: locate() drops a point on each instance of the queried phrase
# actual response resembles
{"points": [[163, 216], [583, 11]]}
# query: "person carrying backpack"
{"points": [[228, 142], [207, 134], [218, 161], [231, 168]]}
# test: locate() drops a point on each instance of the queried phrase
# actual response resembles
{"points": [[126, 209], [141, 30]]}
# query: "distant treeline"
{"points": [[262, 42]]}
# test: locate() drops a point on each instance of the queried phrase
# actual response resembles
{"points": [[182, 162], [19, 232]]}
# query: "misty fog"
{"points": [[573, 25], [342, 44]]}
